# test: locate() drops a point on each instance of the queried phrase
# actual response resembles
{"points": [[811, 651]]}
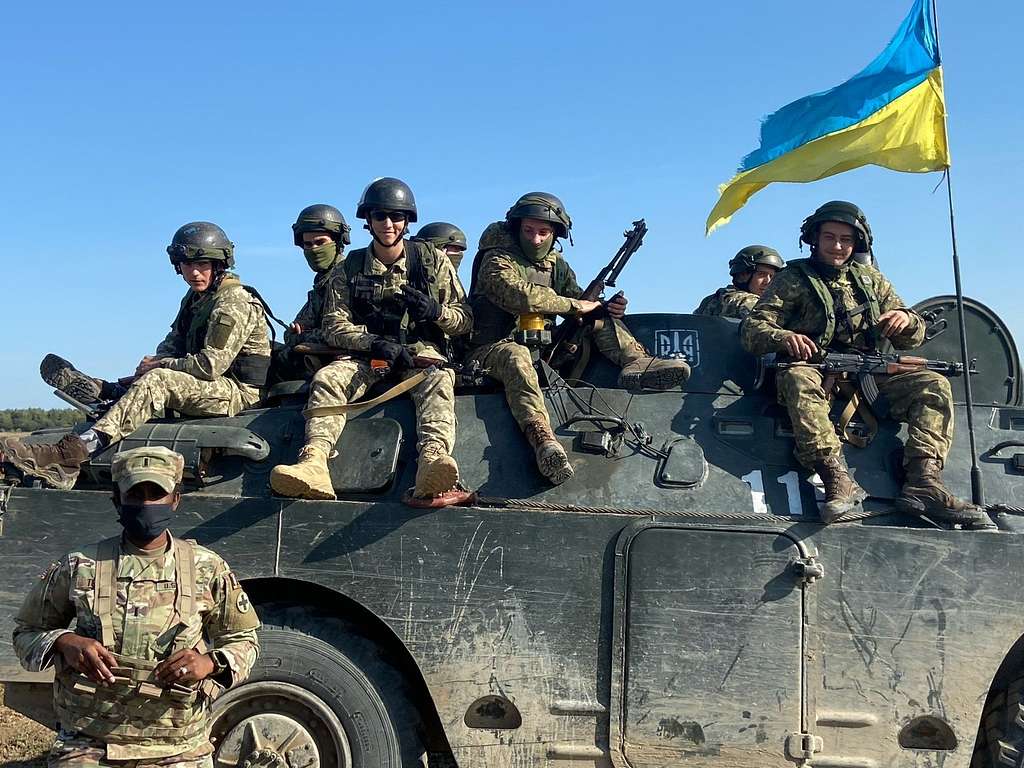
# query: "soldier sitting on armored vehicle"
{"points": [[833, 302], [752, 271], [322, 234], [446, 237], [520, 279], [397, 301], [212, 363]]}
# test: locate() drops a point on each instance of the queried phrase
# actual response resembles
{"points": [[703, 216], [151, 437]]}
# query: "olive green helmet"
{"points": [[387, 194], [748, 259], [542, 206], [442, 234], [321, 218], [844, 213], [201, 241]]}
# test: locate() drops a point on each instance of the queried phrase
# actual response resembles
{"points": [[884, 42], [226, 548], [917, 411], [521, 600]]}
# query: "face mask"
{"points": [[321, 257], [144, 522], [536, 253]]}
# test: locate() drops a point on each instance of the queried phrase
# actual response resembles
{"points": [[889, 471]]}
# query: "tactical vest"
{"points": [[491, 323], [192, 324], [378, 307], [860, 275], [712, 305], [135, 709]]}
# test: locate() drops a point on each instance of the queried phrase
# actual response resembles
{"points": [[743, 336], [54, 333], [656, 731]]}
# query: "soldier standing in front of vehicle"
{"points": [[395, 301], [134, 683], [518, 273], [446, 237], [752, 271], [212, 363], [831, 301]]}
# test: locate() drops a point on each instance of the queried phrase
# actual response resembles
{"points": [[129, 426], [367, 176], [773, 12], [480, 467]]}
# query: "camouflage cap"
{"points": [[153, 464]]}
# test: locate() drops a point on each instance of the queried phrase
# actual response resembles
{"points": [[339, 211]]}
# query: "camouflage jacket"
{"points": [[143, 619], [311, 316], [341, 329], [213, 329], [728, 302], [803, 299]]}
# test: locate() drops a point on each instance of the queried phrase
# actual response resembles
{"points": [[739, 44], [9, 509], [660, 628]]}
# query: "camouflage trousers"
{"points": [[345, 381], [162, 388], [512, 365], [73, 751], [920, 399]]}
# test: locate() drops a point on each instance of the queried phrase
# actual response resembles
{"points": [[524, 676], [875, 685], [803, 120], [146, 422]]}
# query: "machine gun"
{"points": [[567, 337]]}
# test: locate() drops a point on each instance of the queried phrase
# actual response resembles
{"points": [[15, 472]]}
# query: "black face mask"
{"points": [[144, 522]]}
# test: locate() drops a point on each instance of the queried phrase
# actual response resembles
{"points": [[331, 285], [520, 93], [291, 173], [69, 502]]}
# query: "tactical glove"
{"points": [[419, 305], [395, 355]]}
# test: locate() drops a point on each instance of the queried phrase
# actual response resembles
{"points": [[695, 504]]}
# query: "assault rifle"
{"points": [[567, 337], [379, 366]]}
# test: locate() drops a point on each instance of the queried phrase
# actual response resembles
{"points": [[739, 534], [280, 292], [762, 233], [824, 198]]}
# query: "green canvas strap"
{"points": [[106, 588]]}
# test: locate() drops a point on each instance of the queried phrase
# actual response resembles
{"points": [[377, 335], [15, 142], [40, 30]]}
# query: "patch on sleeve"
{"points": [[221, 332], [233, 581], [242, 603]]}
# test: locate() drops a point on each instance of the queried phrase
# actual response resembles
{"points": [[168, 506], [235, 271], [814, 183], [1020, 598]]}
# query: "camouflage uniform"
{"points": [[217, 343], [795, 303], [728, 302], [344, 381], [310, 317], [142, 606]]}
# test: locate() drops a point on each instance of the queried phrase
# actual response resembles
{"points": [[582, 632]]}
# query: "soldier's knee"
{"points": [[160, 377]]}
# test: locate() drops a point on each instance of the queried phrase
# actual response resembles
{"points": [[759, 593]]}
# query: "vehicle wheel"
{"points": [[313, 704], [1001, 740]]}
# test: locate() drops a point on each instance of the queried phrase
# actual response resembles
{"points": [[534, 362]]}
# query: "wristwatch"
{"points": [[220, 662]]}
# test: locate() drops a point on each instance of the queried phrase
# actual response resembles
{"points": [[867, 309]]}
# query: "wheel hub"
{"points": [[269, 740]]}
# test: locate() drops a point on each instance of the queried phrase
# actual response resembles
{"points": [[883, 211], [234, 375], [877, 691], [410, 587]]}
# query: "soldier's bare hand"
{"points": [[800, 347], [184, 667], [586, 307], [893, 322], [148, 363], [88, 656], [295, 328], [617, 305]]}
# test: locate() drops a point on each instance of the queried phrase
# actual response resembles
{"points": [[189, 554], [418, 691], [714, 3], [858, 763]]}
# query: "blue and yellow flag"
{"points": [[891, 113]]}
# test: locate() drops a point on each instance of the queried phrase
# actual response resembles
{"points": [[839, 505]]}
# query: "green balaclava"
{"points": [[536, 253], [322, 257]]}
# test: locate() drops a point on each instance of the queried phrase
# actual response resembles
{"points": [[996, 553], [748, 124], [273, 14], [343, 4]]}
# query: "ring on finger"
{"points": [[182, 671]]}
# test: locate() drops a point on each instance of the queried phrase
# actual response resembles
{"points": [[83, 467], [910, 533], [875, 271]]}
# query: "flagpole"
{"points": [[977, 489]]}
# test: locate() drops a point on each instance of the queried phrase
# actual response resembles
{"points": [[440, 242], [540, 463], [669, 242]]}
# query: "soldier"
{"points": [[322, 234], [519, 272], [831, 301], [394, 301], [134, 681], [752, 270], [447, 237], [212, 363]]}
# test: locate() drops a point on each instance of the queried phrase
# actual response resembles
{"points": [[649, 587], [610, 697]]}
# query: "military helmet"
{"points": [[321, 218], [201, 241], [543, 206], [387, 194], [441, 234], [748, 259], [844, 213]]}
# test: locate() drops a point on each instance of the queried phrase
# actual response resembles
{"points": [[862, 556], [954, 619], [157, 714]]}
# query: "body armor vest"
{"points": [[863, 283]]}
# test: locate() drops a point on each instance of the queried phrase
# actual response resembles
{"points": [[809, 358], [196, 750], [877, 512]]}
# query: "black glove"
{"points": [[419, 305], [395, 355]]}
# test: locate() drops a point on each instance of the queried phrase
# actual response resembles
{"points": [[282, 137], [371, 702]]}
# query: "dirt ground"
{"points": [[23, 742]]}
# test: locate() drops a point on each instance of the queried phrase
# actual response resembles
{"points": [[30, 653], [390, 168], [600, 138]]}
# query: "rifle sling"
{"points": [[855, 404], [399, 389]]}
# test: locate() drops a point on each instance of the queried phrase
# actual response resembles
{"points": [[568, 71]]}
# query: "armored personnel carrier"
{"points": [[678, 602]]}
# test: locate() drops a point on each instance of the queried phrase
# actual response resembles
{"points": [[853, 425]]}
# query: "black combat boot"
{"points": [[842, 494], [925, 494], [56, 463]]}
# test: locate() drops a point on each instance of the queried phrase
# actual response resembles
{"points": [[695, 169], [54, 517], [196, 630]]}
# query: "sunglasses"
{"points": [[396, 216]]}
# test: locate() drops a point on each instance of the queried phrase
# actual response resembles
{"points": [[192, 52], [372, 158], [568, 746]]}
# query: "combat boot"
{"points": [[842, 494], [436, 472], [925, 494], [61, 374], [548, 452], [309, 478], [56, 463], [655, 373]]}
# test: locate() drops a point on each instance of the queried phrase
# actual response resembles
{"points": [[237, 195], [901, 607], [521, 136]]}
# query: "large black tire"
{"points": [[1001, 739], [353, 705]]}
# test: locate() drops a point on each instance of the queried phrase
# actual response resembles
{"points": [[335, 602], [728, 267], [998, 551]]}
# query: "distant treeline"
{"points": [[28, 419]]}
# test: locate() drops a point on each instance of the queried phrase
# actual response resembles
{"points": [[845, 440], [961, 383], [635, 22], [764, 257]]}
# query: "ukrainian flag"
{"points": [[892, 114]]}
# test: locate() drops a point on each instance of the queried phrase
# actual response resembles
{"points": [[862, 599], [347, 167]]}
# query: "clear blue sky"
{"points": [[122, 121]]}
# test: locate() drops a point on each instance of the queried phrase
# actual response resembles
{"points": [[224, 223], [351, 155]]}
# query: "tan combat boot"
{"points": [[654, 373], [436, 471], [842, 494], [56, 463], [925, 494], [309, 478], [62, 375], [548, 452]]}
